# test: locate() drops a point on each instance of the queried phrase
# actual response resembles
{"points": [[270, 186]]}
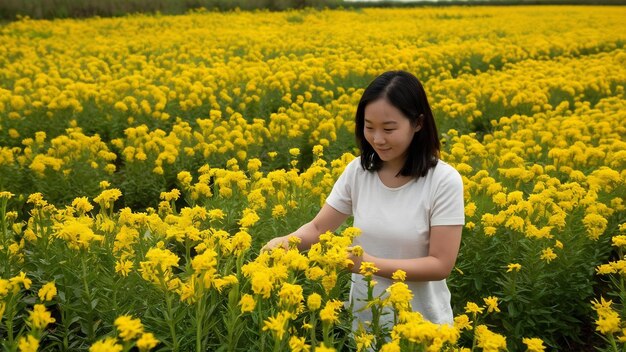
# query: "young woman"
{"points": [[407, 203]]}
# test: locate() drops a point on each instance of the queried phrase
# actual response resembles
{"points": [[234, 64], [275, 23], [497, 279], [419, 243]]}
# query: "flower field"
{"points": [[144, 160]]}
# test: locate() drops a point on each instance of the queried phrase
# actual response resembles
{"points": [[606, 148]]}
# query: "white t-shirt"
{"points": [[395, 224]]}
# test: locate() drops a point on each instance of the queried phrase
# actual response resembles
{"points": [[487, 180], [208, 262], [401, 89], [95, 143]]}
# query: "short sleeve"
{"points": [[340, 198], [448, 207]]}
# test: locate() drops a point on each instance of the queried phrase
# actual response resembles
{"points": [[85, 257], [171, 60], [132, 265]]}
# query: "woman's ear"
{"points": [[418, 123]]}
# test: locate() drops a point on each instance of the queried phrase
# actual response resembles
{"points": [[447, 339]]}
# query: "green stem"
{"points": [[259, 305], [474, 330], [187, 251], [277, 342], [7, 262], [170, 321], [513, 289], [199, 320], [612, 339], [10, 315], [90, 331], [375, 313], [233, 316], [41, 226], [3, 222], [313, 328], [326, 330]]}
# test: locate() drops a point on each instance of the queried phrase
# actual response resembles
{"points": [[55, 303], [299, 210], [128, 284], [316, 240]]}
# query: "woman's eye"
{"points": [[389, 130]]}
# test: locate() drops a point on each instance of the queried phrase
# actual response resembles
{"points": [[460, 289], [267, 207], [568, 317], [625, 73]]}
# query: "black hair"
{"points": [[405, 92]]}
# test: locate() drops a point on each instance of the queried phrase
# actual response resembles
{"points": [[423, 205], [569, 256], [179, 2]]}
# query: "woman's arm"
{"points": [[327, 219], [442, 253]]}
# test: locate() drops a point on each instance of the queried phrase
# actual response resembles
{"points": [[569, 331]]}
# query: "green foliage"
{"points": [[10, 9]]}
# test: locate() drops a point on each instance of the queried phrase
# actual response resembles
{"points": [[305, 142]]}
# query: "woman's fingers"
{"points": [[273, 243]]}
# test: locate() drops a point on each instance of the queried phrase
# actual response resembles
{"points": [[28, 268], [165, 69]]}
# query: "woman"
{"points": [[407, 203]]}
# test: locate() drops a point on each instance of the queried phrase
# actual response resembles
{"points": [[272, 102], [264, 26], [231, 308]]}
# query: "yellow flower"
{"points": [[147, 342], [123, 267], [5, 286], [329, 281], [363, 341], [323, 348], [47, 292], [241, 242], [533, 344], [488, 340], [318, 150], [558, 244], [247, 303], [204, 261], [254, 165], [6, 195], [470, 209], [107, 197], [400, 296], [172, 195], [490, 231], [619, 241], [262, 283], [28, 343], [314, 301], [314, 273], [109, 344], [184, 177], [128, 327], [399, 275], [602, 306], [548, 255], [294, 241], [290, 297], [82, 204], [226, 281], [351, 232], [40, 317], [77, 232], [471, 307], [392, 346], [608, 321], [595, 225], [249, 218], [216, 214], [492, 304], [277, 324], [37, 199], [462, 322], [513, 267], [367, 269], [279, 211], [330, 312], [294, 152], [20, 279], [621, 338], [157, 267], [297, 344]]}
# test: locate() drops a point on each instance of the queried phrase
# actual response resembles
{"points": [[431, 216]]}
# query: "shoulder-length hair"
{"points": [[405, 92]]}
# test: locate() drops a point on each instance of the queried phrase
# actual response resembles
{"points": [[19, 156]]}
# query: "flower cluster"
{"points": [[133, 166]]}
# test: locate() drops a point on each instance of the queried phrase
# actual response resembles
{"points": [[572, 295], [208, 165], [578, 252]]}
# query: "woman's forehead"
{"points": [[382, 111]]}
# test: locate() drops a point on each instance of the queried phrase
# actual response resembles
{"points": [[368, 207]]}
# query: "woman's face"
{"points": [[388, 131]]}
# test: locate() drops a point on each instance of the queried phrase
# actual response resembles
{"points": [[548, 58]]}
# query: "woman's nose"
{"points": [[378, 138]]}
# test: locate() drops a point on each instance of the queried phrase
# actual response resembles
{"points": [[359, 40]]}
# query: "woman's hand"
{"points": [[355, 254], [276, 242]]}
